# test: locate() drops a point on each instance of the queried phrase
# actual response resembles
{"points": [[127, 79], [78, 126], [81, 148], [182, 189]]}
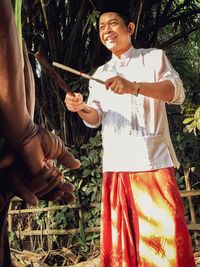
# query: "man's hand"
{"points": [[74, 103], [49, 184], [41, 145], [120, 85]]}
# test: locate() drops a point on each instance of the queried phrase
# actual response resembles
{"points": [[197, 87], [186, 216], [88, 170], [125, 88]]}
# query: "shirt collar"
{"points": [[125, 55]]}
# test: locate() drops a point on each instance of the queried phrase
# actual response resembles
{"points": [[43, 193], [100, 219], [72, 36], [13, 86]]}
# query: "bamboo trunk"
{"points": [[48, 227], [191, 207]]}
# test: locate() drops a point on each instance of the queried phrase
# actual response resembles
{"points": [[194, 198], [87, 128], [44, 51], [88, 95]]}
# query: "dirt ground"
{"points": [[52, 258], [30, 259]]}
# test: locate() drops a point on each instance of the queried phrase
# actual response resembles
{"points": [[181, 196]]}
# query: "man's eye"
{"points": [[101, 28]]}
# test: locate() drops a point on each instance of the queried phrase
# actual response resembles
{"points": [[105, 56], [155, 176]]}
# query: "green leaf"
{"points": [[187, 120], [17, 6], [86, 146], [86, 172]]}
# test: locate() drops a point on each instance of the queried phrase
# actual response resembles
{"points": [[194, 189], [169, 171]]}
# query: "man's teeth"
{"points": [[110, 44]]}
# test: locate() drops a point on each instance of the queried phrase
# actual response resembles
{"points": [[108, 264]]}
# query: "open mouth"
{"points": [[110, 38], [110, 42]]}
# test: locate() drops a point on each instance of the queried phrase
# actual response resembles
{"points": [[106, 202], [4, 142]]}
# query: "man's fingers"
{"points": [[24, 193], [56, 179], [53, 195], [54, 148], [68, 160], [69, 197], [50, 163], [7, 160], [41, 181], [49, 188], [75, 108], [62, 191], [108, 83], [74, 103], [112, 82], [67, 187]]}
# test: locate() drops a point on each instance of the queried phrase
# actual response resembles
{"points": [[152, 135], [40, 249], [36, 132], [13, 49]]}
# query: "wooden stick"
{"points": [[84, 75], [52, 73], [56, 76]]}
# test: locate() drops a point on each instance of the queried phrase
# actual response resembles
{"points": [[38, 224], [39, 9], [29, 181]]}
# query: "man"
{"points": [[142, 217], [25, 162]]}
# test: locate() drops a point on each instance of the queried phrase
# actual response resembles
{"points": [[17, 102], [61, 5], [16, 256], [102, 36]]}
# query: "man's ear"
{"points": [[131, 27]]}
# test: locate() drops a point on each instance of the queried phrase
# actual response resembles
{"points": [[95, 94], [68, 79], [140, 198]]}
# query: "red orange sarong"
{"points": [[143, 222]]}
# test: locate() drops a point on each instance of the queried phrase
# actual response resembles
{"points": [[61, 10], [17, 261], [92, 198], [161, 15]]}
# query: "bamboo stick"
{"points": [[92, 205], [56, 77], [79, 73], [48, 227], [10, 218], [191, 207], [56, 232], [194, 226], [188, 187], [189, 193]]}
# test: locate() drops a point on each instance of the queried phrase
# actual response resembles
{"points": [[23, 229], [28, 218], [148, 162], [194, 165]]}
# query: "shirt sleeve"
{"points": [[94, 102], [166, 71]]}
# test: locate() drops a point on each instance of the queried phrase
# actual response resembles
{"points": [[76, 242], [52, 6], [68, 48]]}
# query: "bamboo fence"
{"points": [[49, 232], [193, 226]]}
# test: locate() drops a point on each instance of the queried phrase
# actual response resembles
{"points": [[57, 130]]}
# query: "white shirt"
{"points": [[135, 131]]}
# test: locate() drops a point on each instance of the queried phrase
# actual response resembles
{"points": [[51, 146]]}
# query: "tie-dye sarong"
{"points": [[143, 222]]}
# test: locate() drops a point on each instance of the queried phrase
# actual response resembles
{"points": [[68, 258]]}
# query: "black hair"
{"points": [[124, 17], [121, 7]]}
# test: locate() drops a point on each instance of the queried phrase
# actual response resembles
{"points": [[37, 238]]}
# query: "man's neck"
{"points": [[121, 52]]}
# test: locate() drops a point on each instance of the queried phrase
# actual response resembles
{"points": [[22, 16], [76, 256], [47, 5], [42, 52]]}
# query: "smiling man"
{"points": [[142, 216], [113, 33]]}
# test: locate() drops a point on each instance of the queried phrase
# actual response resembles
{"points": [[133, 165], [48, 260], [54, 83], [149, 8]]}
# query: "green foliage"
{"points": [[88, 178], [187, 148], [193, 123], [13, 240], [91, 22]]}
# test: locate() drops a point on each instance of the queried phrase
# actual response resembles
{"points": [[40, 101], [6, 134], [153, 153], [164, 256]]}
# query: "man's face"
{"points": [[114, 33]]}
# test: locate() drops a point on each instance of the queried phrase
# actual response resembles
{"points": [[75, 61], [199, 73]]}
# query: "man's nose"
{"points": [[107, 30]]}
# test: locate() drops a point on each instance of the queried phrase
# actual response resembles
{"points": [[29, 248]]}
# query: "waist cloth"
{"points": [[143, 222]]}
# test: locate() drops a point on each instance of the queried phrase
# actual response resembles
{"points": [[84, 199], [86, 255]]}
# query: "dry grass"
{"points": [[62, 257]]}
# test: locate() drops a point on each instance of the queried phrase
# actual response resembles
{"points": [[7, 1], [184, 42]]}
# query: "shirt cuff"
{"points": [[99, 121], [179, 95]]}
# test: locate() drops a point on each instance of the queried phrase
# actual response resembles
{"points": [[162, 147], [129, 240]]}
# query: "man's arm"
{"points": [[163, 90], [76, 104], [29, 141], [167, 87], [13, 112]]}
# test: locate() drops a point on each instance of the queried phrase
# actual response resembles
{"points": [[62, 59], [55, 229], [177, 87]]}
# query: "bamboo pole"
{"points": [[31, 238], [48, 227], [189, 193], [57, 232], [188, 188], [92, 205], [191, 207], [194, 226], [10, 218]]}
